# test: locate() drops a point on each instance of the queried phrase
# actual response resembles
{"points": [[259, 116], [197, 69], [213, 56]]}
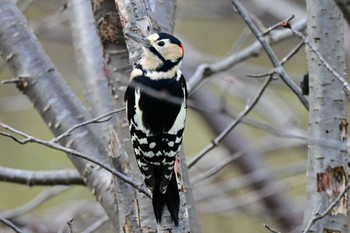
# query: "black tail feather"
{"points": [[170, 198]]}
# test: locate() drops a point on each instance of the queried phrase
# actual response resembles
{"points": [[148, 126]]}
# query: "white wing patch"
{"points": [[179, 123], [138, 115]]}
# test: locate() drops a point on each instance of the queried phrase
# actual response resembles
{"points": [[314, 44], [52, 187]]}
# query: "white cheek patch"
{"points": [[156, 75]]}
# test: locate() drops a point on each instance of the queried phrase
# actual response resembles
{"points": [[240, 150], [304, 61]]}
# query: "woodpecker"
{"points": [[157, 124]]}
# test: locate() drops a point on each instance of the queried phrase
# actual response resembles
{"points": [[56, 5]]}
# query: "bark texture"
{"points": [[328, 169], [145, 17]]}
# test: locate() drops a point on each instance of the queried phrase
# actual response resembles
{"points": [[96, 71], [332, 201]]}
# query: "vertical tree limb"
{"points": [[117, 69], [147, 17], [328, 170], [344, 6], [89, 55]]}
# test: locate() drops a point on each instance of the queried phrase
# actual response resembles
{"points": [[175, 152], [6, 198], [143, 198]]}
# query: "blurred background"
{"points": [[235, 184]]}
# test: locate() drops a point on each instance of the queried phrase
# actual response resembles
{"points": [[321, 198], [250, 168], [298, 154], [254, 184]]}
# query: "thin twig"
{"points": [[70, 225], [248, 180], [204, 71], [340, 78], [270, 228], [213, 171], [52, 21], [11, 81], [294, 51], [10, 225], [96, 225], [36, 202], [239, 118], [98, 119], [270, 53], [277, 25], [28, 139], [225, 205], [318, 216]]}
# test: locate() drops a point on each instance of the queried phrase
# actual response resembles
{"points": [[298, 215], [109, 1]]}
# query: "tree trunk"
{"points": [[146, 17], [328, 172]]}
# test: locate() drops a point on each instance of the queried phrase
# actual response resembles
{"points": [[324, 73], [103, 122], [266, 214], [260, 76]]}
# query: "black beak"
{"points": [[139, 39]]}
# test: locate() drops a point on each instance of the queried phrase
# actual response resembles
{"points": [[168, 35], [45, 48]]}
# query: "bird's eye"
{"points": [[161, 43]]}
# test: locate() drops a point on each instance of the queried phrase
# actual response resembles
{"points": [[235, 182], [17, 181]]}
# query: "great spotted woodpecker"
{"points": [[157, 124]]}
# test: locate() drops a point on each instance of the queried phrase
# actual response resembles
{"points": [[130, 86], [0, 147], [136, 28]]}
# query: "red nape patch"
{"points": [[182, 49]]}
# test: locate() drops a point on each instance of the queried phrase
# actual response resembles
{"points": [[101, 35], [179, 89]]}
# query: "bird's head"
{"points": [[161, 49]]}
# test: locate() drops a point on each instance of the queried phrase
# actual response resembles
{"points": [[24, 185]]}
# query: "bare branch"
{"points": [[230, 203], [205, 71], [340, 78], [35, 203], [285, 59], [245, 181], [96, 225], [291, 54], [31, 178], [52, 23], [70, 225], [214, 170], [270, 228], [277, 25], [10, 225], [28, 139], [270, 53], [98, 119], [229, 128], [282, 208]]}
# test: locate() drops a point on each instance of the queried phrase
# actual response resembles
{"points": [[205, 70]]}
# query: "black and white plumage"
{"points": [[157, 124]]}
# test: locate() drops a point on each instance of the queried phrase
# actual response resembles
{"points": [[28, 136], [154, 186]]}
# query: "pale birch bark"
{"points": [[89, 56], [327, 171], [145, 17]]}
